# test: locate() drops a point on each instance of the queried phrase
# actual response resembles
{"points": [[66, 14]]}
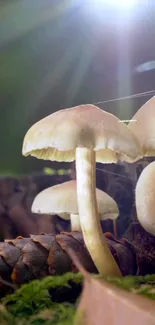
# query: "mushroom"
{"points": [[143, 127], [61, 199], [145, 198], [87, 134]]}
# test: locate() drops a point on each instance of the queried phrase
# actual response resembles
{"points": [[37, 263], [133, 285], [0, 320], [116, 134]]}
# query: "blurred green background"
{"points": [[57, 54]]}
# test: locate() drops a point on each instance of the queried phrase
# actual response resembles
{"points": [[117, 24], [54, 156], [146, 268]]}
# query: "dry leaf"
{"points": [[104, 303]]}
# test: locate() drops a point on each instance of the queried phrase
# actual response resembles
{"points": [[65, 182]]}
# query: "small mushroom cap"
{"points": [[145, 198], [61, 199], [144, 127], [58, 135]]}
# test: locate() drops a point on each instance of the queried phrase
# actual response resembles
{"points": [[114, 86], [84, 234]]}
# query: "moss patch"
{"points": [[56, 296], [52, 300], [144, 285]]}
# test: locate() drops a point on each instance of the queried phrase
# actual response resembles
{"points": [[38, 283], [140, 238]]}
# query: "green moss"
{"points": [[52, 300], [144, 285], [39, 295], [58, 314]]}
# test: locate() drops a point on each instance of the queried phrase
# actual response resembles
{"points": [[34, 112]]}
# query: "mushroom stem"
{"points": [[115, 228], [75, 222], [88, 213]]}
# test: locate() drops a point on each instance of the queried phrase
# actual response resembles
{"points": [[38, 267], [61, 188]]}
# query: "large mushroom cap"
{"points": [[145, 198], [144, 127], [58, 135], [62, 200]]}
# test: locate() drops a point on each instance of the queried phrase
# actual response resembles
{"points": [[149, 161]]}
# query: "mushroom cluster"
{"points": [[86, 134]]}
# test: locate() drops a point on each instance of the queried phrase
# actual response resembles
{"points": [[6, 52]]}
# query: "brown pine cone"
{"points": [[24, 259]]}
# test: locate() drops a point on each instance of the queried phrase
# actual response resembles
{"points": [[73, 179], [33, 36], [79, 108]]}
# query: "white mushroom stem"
{"points": [[75, 222], [88, 213], [115, 228]]}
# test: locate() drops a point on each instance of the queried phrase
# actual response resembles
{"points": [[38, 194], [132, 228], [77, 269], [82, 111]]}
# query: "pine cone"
{"points": [[144, 244], [24, 259]]}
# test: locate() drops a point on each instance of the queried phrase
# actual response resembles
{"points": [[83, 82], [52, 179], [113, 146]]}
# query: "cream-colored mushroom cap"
{"points": [[61, 199], [145, 198], [144, 127], [57, 136]]}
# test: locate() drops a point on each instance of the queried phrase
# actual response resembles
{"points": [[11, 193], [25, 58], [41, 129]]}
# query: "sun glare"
{"points": [[118, 4]]}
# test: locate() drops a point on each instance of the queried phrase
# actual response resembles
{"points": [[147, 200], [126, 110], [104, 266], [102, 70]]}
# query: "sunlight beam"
{"points": [[116, 4]]}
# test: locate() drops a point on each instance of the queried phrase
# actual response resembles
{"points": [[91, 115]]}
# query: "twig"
{"points": [[8, 284]]}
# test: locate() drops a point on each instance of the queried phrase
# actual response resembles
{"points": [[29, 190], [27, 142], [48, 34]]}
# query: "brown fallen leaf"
{"points": [[104, 303]]}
